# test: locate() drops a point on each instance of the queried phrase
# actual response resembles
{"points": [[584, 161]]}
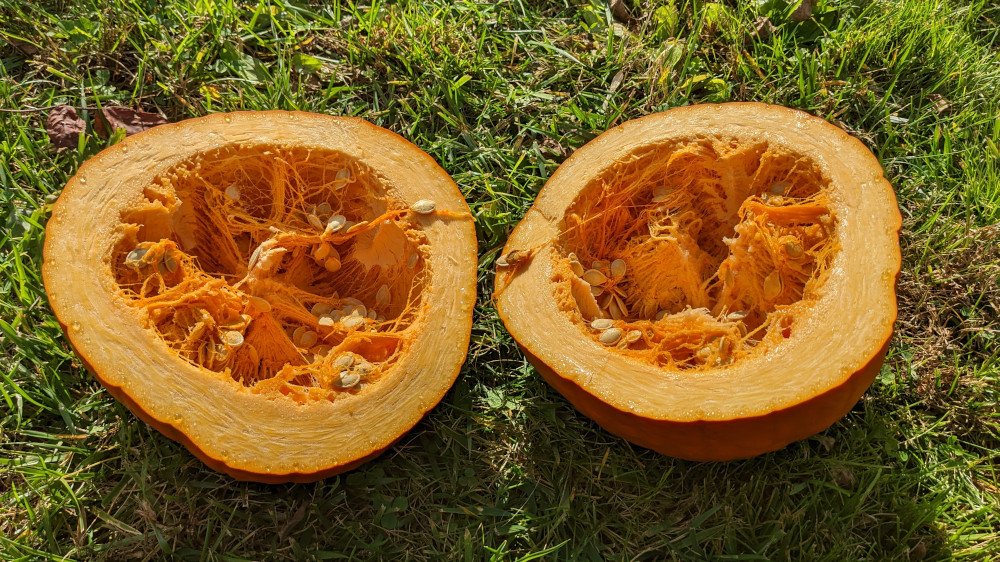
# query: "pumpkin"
{"points": [[712, 282], [284, 293]]}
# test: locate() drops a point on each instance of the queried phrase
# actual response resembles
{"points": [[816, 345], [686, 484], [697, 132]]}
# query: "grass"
{"points": [[504, 468]]}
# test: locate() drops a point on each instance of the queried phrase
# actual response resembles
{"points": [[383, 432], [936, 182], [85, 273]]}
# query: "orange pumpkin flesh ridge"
{"points": [[713, 282], [284, 293]]}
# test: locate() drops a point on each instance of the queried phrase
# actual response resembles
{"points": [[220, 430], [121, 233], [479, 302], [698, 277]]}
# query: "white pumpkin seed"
{"points": [[323, 209], [347, 380], [134, 258], [595, 277], [352, 322], [611, 336], [335, 223], [577, 268], [326, 320], [332, 264], [632, 336], [621, 305], [737, 315], [234, 338], [423, 207], [314, 221], [614, 310], [233, 192], [601, 323], [412, 260], [596, 290]]}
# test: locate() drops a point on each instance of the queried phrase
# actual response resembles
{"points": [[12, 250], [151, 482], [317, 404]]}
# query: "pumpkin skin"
{"points": [[263, 419], [812, 349]]}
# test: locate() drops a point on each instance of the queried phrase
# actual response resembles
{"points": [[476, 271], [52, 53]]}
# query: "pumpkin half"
{"points": [[712, 282], [284, 293]]}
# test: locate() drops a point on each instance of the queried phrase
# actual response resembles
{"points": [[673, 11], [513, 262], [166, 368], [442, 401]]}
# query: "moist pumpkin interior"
{"points": [[291, 270], [695, 252]]}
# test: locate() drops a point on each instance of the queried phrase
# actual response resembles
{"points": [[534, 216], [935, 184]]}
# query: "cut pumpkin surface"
{"points": [[712, 282], [284, 293]]}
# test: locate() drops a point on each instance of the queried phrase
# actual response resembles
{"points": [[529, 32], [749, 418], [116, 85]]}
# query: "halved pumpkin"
{"points": [[712, 282], [284, 293]]}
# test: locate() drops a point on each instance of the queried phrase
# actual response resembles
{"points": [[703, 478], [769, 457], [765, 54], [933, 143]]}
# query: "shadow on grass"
{"points": [[507, 472]]}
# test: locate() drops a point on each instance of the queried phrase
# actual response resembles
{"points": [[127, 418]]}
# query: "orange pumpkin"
{"points": [[712, 282], [284, 293]]}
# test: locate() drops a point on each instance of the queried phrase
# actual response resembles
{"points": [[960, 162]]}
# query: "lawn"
{"points": [[500, 93]]}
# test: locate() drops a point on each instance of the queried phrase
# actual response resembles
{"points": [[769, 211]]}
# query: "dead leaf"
{"points": [[111, 118], [941, 104], [27, 48], [617, 80], [762, 28], [804, 11], [620, 11], [64, 126]]}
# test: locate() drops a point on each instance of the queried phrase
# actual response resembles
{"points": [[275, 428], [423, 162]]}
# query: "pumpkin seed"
{"points": [[332, 264], [347, 380], [601, 323], [615, 310], [793, 249], [611, 336], [599, 265], [323, 209], [382, 296], [134, 258], [576, 266], [772, 286], [314, 221], [344, 361], [618, 269], [364, 367], [778, 188], [737, 316], [233, 192], [661, 314], [372, 314], [170, 261], [308, 339], [632, 336], [297, 334], [596, 290], [423, 207], [321, 308], [234, 338], [335, 223], [621, 305], [412, 260], [260, 304], [595, 277], [343, 175], [326, 320], [321, 252], [352, 322], [321, 350]]}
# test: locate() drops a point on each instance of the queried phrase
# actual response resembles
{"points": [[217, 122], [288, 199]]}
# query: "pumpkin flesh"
{"points": [[760, 250], [257, 286]]}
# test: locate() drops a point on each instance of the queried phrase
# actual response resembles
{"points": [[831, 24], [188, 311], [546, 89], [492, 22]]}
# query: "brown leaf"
{"points": [[804, 11], [27, 48], [112, 118], [64, 126], [762, 28], [941, 104], [620, 11]]}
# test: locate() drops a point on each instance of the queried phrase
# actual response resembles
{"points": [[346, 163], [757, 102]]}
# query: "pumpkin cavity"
{"points": [[293, 271], [697, 251]]}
